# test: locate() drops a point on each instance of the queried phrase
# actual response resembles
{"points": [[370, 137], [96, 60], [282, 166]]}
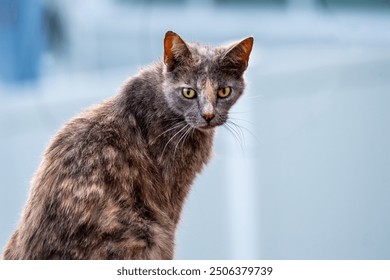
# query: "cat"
{"points": [[113, 181]]}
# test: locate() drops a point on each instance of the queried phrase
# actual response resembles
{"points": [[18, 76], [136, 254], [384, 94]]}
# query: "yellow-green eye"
{"points": [[188, 93], [224, 92]]}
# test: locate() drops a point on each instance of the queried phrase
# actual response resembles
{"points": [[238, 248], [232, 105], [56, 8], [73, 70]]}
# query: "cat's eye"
{"points": [[224, 92], [188, 93]]}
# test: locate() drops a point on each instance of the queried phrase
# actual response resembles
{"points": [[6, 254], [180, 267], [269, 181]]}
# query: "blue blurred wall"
{"points": [[21, 39]]}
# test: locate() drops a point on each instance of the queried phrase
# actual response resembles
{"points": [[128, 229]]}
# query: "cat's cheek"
{"points": [[172, 103], [228, 103]]}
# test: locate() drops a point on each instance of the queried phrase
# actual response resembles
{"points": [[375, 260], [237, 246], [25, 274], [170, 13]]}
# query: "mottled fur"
{"points": [[113, 181]]}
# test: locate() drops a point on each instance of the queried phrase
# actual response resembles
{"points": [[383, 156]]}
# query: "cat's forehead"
{"points": [[204, 67], [204, 54]]}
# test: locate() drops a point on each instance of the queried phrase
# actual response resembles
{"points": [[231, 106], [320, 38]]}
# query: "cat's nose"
{"points": [[208, 116]]}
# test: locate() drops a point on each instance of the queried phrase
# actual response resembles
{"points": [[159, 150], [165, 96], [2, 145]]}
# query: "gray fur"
{"points": [[113, 181]]}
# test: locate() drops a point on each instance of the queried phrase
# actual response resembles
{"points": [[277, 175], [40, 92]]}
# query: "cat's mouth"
{"points": [[208, 126], [204, 125]]}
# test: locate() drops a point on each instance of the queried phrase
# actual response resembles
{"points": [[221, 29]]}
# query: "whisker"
{"points": [[239, 134], [241, 120], [190, 131], [173, 119], [234, 133], [241, 127], [238, 128], [182, 138], [170, 140], [172, 128], [169, 129]]}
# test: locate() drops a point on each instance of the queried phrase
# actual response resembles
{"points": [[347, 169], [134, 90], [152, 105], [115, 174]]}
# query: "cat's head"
{"points": [[202, 83]]}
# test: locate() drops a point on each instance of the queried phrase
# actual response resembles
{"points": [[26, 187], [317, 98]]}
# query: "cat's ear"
{"points": [[237, 56], [175, 50]]}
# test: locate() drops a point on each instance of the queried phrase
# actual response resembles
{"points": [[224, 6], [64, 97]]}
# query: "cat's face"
{"points": [[201, 83]]}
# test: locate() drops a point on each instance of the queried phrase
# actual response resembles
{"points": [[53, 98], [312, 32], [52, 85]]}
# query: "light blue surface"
{"points": [[312, 180]]}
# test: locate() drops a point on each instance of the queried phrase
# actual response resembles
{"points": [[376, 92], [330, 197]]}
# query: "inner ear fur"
{"points": [[237, 56], [175, 50]]}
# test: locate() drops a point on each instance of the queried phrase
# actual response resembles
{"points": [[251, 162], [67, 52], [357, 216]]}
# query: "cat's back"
{"points": [[83, 195]]}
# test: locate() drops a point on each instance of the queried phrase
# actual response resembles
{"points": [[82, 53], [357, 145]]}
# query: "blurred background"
{"points": [[307, 176]]}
